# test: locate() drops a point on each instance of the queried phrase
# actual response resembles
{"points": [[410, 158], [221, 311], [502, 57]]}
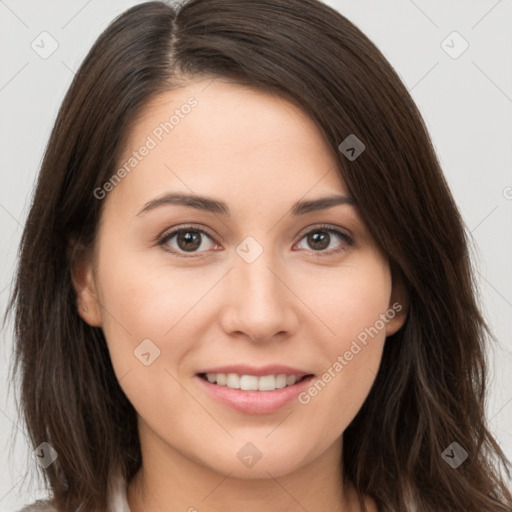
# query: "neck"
{"points": [[170, 481]]}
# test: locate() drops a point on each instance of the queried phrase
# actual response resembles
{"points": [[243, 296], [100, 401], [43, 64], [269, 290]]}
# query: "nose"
{"points": [[259, 303]]}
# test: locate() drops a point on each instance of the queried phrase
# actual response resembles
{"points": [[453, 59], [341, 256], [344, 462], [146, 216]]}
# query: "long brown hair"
{"points": [[431, 386]]}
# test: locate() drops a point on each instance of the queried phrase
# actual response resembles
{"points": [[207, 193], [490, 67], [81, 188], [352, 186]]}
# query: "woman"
{"points": [[244, 282]]}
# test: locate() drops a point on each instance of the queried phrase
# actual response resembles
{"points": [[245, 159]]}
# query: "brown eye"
{"points": [[323, 240], [187, 240], [319, 240]]}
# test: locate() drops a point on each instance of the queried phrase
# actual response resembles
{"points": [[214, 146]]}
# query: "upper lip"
{"points": [[243, 369]]}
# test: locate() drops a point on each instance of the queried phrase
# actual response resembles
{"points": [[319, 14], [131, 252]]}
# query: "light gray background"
{"points": [[466, 103]]}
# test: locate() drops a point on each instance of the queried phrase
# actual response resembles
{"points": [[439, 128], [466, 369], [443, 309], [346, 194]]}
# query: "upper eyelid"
{"points": [[326, 227], [191, 227], [204, 230]]}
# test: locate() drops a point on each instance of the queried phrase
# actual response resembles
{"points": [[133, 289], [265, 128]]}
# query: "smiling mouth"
{"points": [[253, 382]]}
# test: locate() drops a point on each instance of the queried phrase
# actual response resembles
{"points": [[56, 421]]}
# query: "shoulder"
{"points": [[39, 506]]}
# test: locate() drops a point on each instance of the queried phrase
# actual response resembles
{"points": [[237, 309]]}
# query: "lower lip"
{"points": [[254, 402]]}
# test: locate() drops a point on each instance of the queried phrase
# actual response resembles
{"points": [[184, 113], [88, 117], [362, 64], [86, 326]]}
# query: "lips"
{"points": [[254, 390]]}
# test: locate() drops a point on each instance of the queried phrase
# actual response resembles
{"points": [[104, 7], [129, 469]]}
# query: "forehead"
{"points": [[215, 137]]}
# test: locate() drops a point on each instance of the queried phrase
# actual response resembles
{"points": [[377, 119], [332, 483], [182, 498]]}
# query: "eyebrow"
{"points": [[211, 205]]}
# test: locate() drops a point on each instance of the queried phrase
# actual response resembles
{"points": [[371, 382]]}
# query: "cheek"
{"points": [[140, 301], [349, 299], [144, 303], [141, 293], [355, 311]]}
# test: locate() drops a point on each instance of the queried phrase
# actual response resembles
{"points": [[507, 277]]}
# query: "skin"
{"points": [[260, 154]]}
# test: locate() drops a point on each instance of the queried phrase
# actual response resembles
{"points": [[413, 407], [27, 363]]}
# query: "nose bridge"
{"points": [[253, 265], [260, 302]]}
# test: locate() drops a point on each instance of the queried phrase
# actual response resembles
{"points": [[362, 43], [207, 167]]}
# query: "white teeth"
{"points": [[249, 383], [280, 381], [290, 380], [267, 383], [252, 382], [232, 380]]}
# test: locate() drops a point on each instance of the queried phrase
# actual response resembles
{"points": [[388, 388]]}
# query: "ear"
{"points": [[83, 279], [398, 304]]}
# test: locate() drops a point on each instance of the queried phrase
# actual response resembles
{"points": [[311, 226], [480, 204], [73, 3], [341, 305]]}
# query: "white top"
{"points": [[118, 501]]}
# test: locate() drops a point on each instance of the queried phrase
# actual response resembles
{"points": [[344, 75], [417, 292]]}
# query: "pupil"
{"points": [[319, 240], [191, 240]]}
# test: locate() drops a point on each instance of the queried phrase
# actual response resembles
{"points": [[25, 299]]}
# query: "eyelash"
{"points": [[343, 236]]}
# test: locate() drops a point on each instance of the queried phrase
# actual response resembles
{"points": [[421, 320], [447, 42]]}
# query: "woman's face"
{"points": [[267, 290]]}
